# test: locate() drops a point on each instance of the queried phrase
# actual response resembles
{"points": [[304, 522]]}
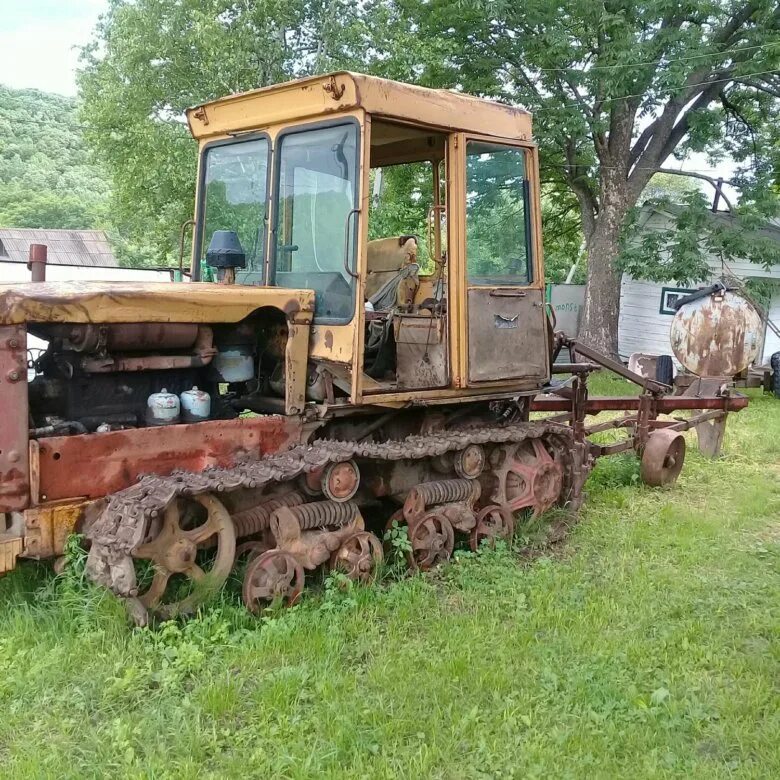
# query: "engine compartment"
{"points": [[102, 377]]}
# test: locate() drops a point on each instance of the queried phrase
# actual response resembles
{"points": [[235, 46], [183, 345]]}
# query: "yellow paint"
{"points": [[146, 302], [10, 549], [314, 97], [48, 527]]}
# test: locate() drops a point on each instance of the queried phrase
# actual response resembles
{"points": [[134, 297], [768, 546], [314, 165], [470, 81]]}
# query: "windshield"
{"points": [[236, 185], [316, 197]]}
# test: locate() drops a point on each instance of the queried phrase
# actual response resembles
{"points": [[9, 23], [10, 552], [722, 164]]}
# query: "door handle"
{"points": [[508, 293]]}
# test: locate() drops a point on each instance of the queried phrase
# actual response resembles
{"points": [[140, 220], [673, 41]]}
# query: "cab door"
{"points": [[505, 311]]}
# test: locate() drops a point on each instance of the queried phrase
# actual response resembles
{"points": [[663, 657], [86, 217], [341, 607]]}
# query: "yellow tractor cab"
{"points": [[413, 215]]}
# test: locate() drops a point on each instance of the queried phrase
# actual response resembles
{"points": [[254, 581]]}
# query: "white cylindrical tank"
{"points": [[236, 364], [717, 335], [162, 408], [195, 405]]}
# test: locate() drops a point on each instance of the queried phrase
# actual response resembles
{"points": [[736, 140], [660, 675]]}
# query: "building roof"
{"points": [[66, 247], [333, 93], [770, 230], [740, 267]]}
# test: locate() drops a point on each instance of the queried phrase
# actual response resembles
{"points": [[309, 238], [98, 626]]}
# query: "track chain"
{"points": [[124, 519]]}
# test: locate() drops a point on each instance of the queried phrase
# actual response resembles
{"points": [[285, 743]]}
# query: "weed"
{"points": [[400, 546]]}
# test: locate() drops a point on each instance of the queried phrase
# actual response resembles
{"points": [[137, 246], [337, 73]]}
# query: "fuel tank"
{"points": [[718, 335]]}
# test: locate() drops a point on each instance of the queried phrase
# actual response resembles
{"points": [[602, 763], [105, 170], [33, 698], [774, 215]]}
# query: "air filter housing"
{"points": [[225, 250]]}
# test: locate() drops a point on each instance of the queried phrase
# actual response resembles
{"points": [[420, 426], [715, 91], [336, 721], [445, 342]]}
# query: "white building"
{"points": [[645, 307], [73, 255]]}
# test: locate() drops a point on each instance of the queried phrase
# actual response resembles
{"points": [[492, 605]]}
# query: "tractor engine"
{"points": [[127, 375]]}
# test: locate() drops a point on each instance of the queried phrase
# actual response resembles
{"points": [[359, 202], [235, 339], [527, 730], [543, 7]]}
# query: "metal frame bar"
{"points": [[572, 404]]}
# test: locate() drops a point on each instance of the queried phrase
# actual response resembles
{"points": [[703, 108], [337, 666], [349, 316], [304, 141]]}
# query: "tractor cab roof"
{"points": [[322, 96]]}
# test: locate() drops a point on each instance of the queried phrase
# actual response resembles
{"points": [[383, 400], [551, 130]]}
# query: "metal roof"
{"points": [[66, 247], [343, 91]]}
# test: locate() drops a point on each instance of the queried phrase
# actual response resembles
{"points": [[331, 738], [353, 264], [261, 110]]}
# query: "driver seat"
{"points": [[392, 277]]}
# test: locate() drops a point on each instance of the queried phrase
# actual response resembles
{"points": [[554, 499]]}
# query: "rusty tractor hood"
{"points": [[146, 302]]}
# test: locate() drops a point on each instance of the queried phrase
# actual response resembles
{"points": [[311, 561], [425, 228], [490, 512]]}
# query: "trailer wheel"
{"points": [[663, 457], [774, 361], [664, 369]]}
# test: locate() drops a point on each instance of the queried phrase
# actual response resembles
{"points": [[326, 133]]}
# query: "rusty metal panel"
{"points": [[421, 351], [14, 464], [94, 465], [506, 334]]}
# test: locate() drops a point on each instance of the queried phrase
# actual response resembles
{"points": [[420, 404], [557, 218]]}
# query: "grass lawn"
{"points": [[645, 646]]}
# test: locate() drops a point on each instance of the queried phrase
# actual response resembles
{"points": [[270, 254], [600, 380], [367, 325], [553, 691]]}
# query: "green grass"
{"points": [[646, 646]]}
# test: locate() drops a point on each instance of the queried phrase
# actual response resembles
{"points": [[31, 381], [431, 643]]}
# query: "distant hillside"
{"points": [[46, 177]]}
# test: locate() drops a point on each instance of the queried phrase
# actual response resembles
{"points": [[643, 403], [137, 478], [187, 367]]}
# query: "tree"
{"points": [[47, 178], [617, 88], [152, 59]]}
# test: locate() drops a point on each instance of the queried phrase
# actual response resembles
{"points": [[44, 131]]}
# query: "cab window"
{"points": [[497, 216], [315, 230], [236, 184]]}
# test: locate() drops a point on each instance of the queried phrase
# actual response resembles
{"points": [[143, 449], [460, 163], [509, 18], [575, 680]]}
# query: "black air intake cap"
{"points": [[225, 250]]}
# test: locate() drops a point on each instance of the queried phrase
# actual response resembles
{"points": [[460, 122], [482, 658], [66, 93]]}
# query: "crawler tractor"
{"points": [[361, 345]]}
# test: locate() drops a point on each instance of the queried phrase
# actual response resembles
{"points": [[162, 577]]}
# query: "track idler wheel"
{"points": [[358, 557], [493, 522], [432, 540], [274, 576], [174, 547], [663, 457]]}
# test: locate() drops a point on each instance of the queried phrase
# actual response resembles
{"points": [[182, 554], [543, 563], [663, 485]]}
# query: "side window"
{"points": [[497, 234], [402, 203]]}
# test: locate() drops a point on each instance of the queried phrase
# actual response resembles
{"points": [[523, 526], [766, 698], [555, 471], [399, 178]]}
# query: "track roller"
{"points": [[493, 522], [274, 576], [432, 540], [358, 557]]}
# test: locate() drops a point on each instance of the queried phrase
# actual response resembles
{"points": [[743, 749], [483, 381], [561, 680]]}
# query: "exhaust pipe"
{"points": [[37, 262]]}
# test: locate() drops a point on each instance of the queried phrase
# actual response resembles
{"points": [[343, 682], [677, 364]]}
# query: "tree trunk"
{"points": [[599, 327]]}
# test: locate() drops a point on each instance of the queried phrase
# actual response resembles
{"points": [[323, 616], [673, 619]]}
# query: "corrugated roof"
{"points": [[66, 247]]}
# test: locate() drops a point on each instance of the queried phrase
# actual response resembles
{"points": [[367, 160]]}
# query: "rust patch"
{"points": [[716, 336], [328, 339], [291, 307], [67, 463], [14, 462]]}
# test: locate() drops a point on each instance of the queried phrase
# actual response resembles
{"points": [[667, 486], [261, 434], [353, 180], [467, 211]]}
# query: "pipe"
{"points": [[39, 254], [57, 429], [203, 350]]}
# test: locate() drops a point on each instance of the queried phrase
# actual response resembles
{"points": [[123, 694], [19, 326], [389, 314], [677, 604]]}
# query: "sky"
{"points": [[39, 41]]}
